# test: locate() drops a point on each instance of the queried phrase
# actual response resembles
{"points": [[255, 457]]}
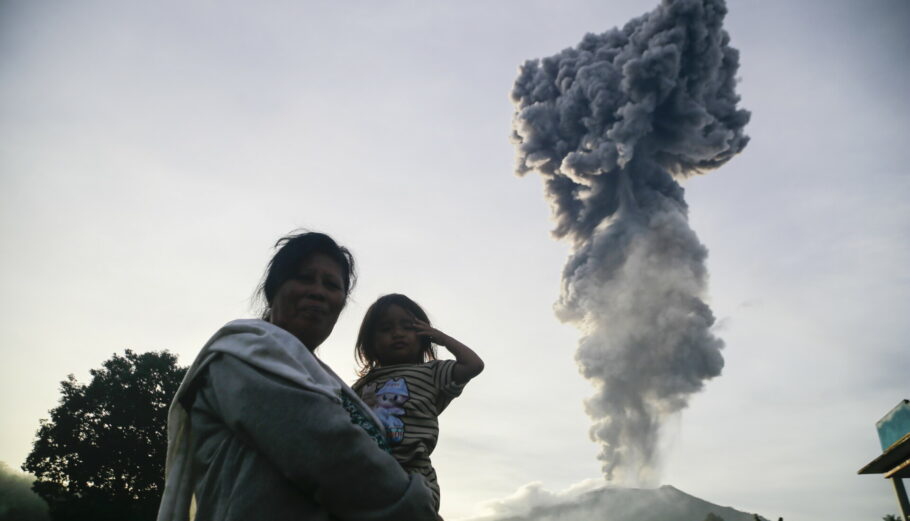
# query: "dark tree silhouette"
{"points": [[101, 455]]}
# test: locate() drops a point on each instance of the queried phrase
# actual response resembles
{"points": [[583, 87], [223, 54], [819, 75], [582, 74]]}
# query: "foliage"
{"points": [[891, 517], [713, 517], [101, 455], [17, 501]]}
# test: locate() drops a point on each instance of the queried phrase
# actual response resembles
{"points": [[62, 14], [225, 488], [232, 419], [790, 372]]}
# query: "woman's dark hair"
{"points": [[365, 350], [292, 251]]}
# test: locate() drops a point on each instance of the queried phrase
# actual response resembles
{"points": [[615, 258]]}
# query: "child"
{"points": [[404, 383]]}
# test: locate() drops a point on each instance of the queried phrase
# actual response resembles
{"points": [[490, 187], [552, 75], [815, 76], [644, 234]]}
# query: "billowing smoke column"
{"points": [[612, 125]]}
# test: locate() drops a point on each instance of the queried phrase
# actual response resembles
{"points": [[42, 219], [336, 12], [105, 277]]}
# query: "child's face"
{"points": [[395, 339]]}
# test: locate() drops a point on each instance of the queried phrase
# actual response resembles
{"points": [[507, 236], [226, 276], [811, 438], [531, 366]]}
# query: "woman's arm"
{"points": [[310, 439], [467, 363]]}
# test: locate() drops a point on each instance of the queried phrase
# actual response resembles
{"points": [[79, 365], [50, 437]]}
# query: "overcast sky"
{"points": [[152, 152]]}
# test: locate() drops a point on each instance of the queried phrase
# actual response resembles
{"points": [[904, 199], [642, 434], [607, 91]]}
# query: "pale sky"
{"points": [[151, 153]]}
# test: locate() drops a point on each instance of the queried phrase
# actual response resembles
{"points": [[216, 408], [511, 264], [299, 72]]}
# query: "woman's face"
{"points": [[308, 304]]}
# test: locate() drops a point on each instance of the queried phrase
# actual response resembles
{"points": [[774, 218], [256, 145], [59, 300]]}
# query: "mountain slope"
{"points": [[631, 504]]}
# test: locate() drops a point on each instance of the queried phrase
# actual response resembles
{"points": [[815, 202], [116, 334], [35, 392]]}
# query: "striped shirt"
{"points": [[408, 398]]}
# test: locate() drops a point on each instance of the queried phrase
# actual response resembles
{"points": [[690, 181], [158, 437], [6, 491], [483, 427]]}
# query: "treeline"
{"points": [[17, 500]]}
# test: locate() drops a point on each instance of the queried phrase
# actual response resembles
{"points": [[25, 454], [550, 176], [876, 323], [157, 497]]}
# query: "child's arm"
{"points": [[467, 363]]}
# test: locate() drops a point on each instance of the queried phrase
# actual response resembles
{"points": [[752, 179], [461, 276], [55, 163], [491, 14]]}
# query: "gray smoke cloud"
{"points": [[612, 125]]}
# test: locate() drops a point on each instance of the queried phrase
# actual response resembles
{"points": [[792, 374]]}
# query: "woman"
{"points": [[261, 429]]}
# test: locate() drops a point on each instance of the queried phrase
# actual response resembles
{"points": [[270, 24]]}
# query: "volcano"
{"points": [[610, 503]]}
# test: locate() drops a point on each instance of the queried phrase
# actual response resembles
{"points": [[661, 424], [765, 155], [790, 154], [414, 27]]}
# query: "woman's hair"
{"points": [[365, 350], [292, 251]]}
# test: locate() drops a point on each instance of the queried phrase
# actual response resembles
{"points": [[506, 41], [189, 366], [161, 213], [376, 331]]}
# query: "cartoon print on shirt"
{"points": [[368, 395], [386, 402]]}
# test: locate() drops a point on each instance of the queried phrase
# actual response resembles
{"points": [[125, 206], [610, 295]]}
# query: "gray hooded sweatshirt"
{"points": [[258, 431]]}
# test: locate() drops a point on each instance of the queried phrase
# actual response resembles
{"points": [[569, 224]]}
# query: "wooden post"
{"points": [[901, 497]]}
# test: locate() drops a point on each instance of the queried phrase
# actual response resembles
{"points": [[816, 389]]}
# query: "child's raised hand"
{"points": [[467, 363], [425, 330]]}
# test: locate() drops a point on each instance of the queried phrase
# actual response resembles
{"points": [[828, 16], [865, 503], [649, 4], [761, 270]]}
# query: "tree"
{"points": [[101, 455], [891, 517]]}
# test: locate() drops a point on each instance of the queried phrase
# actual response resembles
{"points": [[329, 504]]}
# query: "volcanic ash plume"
{"points": [[612, 125]]}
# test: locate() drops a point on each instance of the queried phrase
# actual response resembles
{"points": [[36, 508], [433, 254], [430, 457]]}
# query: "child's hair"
{"points": [[365, 351]]}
